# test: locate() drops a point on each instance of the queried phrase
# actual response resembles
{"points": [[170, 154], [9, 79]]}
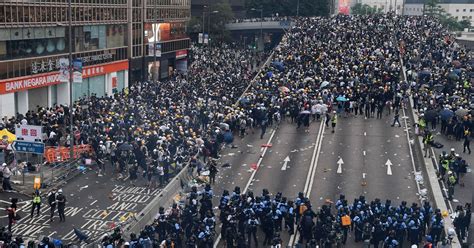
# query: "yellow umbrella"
{"points": [[4, 133]]}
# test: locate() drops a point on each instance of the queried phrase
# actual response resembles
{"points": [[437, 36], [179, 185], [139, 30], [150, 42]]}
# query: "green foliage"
{"points": [[432, 8], [287, 7], [364, 9], [195, 25]]}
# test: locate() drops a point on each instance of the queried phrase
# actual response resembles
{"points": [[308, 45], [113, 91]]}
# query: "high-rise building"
{"points": [[114, 40], [459, 9]]}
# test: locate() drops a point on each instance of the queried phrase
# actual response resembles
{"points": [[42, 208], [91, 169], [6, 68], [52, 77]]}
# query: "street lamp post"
{"points": [[261, 24], [203, 21], [209, 25], [298, 9], [71, 117]]}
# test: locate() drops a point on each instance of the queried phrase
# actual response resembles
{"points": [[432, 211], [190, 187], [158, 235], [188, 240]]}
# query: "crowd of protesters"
{"points": [[324, 68]]}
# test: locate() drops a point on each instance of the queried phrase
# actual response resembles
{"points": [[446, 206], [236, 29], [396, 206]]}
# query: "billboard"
{"points": [[343, 7]]}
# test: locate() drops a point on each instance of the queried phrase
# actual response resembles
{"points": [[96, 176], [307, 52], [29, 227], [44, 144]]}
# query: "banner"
{"points": [[52, 78], [77, 71], [200, 38], [206, 39], [344, 7], [63, 70]]}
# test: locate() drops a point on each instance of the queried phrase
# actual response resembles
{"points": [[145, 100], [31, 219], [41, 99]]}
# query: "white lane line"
{"points": [[364, 152], [264, 150], [365, 133], [363, 175], [92, 203], [310, 178]]}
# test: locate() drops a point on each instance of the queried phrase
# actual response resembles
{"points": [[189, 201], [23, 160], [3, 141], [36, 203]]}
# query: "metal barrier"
{"points": [[165, 198]]}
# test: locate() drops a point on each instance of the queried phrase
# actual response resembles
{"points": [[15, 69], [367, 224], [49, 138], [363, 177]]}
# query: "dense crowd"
{"points": [[324, 68]]}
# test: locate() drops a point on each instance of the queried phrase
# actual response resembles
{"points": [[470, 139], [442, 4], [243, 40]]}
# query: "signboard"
{"points": [[63, 70], [200, 38], [158, 50], [28, 147], [181, 54], [206, 39], [52, 78], [29, 133], [344, 7], [77, 71]]}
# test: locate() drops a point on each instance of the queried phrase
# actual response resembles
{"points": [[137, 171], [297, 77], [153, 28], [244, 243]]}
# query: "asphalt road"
{"points": [[375, 162], [94, 205]]}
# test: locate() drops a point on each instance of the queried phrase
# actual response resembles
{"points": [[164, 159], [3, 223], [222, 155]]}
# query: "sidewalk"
{"points": [[50, 176], [462, 195]]}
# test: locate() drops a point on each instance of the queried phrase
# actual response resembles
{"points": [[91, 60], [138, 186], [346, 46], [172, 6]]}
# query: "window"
{"points": [[464, 10], [457, 10]]}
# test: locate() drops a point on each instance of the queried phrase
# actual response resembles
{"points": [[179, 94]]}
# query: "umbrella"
{"points": [[324, 84], [244, 100], [228, 137], [462, 112], [453, 76], [456, 63], [284, 89], [455, 97], [341, 99], [125, 147], [4, 134], [438, 87], [446, 114], [305, 112], [430, 115], [308, 79], [279, 65]]}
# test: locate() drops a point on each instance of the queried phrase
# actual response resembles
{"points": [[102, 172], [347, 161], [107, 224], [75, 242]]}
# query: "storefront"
{"points": [[182, 61], [24, 93]]}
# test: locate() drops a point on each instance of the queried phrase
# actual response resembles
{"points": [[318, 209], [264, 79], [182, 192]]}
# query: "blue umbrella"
{"points": [[279, 65], [341, 99], [244, 100], [445, 114], [228, 137]]}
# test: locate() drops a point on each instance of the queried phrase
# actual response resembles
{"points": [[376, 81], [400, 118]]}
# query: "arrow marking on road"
{"points": [[389, 168], [340, 162], [286, 160]]}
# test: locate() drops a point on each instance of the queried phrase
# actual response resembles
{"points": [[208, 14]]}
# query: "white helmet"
{"points": [[60, 191]]}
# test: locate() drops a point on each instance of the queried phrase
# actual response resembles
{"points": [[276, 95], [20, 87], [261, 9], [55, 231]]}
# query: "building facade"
{"points": [[238, 7], [108, 36], [459, 9]]}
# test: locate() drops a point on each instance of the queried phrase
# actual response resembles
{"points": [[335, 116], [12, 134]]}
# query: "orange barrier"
{"points": [[55, 154]]}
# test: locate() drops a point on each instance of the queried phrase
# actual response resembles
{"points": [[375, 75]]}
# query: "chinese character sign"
{"points": [[63, 70], [29, 133], [77, 74]]}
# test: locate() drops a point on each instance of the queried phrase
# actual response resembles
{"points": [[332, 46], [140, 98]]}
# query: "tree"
{"points": [[465, 24], [364, 9], [221, 13]]}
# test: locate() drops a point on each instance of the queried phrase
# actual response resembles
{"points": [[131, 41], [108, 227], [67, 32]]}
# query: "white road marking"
{"points": [[264, 150], [92, 203], [389, 168], [340, 162], [365, 133], [363, 175], [310, 178], [285, 163], [364, 152]]}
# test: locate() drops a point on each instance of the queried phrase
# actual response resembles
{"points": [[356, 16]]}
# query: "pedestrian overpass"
{"points": [[266, 25], [248, 32]]}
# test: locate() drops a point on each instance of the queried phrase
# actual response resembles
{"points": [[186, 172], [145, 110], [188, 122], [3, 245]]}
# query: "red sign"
{"points": [[52, 78], [343, 7], [181, 54], [114, 82]]}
